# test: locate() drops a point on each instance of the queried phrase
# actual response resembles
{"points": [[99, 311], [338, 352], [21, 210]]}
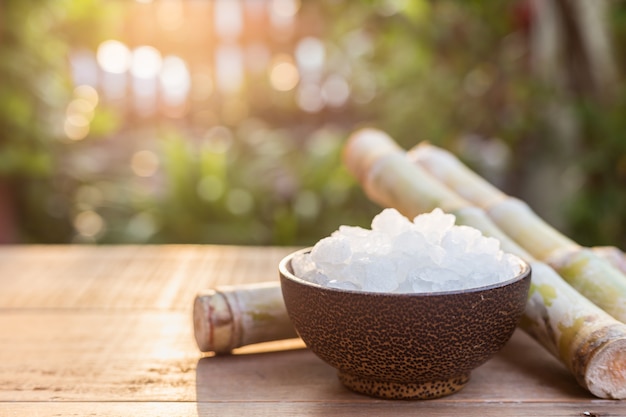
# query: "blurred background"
{"points": [[222, 121]]}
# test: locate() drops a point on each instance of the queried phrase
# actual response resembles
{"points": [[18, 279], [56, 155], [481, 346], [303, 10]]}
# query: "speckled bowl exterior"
{"points": [[404, 346]]}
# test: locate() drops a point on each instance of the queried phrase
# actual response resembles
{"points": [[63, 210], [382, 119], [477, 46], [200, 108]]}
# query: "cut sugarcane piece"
{"points": [[580, 334], [583, 337], [229, 317], [592, 275]]}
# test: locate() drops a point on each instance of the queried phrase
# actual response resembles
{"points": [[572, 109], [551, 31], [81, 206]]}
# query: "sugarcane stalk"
{"points": [[592, 272], [229, 317], [613, 255], [590, 342], [528, 229]]}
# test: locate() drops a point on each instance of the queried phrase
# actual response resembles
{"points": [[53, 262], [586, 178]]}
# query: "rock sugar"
{"points": [[428, 254]]}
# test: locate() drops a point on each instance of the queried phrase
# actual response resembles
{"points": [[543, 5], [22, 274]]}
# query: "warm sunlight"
{"points": [[114, 57]]}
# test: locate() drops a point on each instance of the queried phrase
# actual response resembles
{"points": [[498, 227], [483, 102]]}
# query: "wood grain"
{"points": [[264, 409], [126, 277], [107, 331]]}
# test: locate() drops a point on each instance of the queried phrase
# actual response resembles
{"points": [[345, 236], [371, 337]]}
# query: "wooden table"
{"points": [[107, 331]]}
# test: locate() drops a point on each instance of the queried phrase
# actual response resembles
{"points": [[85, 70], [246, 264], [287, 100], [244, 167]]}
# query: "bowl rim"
{"points": [[525, 271]]}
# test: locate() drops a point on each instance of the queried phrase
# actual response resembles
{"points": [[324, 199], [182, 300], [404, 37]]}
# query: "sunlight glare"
{"points": [[145, 67], [146, 62], [175, 80], [113, 56]]}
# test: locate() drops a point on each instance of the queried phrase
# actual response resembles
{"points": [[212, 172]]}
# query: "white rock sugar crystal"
{"points": [[429, 254]]}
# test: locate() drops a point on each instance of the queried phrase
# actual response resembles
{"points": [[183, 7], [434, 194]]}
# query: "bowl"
{"points": [[404, 346]]}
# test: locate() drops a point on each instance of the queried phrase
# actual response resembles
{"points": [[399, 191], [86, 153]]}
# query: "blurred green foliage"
{"points": [[457, 74]]}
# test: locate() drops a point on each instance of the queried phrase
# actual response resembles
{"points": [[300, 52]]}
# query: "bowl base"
{"points": [[394, 390]]}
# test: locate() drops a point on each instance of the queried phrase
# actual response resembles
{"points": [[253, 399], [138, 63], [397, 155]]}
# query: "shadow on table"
{"points": [[541, 371], [291, 374], [289, 382]]}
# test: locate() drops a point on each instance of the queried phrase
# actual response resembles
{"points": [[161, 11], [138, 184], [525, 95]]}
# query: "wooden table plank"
{"points": [[305, 409], [64, 356], [127, 277], [151, 356], [88, 330]]}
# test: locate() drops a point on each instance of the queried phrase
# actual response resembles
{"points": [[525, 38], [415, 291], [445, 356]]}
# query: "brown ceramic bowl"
{"points": [[404, 346]]}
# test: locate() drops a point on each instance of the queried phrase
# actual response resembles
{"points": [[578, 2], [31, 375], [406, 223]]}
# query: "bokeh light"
{"points": [[307, 204], [88, 197], [175, 80], [310, 55], [80, 107], [227, 18], [229, 72], [145, 62], [142, 226], [284, 75], [284, 8], [210, 188], [80, 112], [219, 139], [89, 223], [335, 90], [113, 56], [310, 98], [76, 127], [144, 163], [239, 201], [88, 93], [282, 14]]}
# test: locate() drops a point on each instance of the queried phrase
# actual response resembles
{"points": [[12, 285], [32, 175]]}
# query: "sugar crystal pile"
{"points": [[429, 254]]}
